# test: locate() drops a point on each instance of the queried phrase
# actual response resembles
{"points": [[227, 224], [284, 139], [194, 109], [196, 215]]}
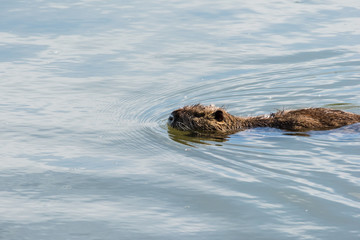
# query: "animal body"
{"points": [[215, 120]]}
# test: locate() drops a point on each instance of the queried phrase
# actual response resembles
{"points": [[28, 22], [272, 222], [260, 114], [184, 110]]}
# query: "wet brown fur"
{"points": [[210, 119]]}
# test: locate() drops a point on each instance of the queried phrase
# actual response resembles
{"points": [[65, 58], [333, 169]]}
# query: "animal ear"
{"points": [[219, 116]]}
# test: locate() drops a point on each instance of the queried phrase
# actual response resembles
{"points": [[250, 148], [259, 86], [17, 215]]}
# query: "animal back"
{"points": [[313, 119]]}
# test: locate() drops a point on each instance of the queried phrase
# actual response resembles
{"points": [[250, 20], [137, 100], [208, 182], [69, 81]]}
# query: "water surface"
{"points": [[87, 86]]}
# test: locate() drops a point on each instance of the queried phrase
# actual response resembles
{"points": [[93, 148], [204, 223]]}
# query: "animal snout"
{"points": [[173, 117]]}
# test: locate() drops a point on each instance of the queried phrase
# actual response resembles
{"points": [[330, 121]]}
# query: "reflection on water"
{"points": [[87, 86], [188, 137]]}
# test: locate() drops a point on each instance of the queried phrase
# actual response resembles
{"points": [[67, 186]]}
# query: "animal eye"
{"points": [[219, 115]]}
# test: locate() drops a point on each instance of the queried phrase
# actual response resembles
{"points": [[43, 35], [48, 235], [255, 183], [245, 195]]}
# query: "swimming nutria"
{"points": [[210, 119]]}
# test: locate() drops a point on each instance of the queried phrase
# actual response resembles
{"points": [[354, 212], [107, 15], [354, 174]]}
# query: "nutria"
{"points": [[214, 120]]}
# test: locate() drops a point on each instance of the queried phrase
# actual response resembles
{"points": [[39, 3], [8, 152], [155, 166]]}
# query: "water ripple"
{"points": [[87, 88]]}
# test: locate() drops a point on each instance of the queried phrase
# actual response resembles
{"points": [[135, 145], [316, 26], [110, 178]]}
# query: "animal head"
{"points": [[202, 119]]}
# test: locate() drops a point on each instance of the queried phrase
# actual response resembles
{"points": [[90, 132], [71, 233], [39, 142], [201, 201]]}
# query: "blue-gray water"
{"points": [[86, 88]]}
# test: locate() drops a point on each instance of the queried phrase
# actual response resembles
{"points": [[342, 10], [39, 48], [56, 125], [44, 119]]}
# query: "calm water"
{"points": [[87, 86]]}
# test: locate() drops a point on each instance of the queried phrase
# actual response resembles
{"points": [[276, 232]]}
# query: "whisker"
{"points": [[182, 126]]}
